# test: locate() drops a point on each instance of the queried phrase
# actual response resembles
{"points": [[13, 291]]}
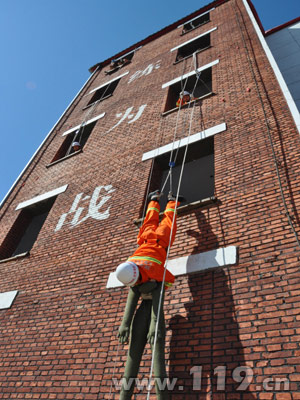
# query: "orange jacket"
{"points": [[153, 241]]}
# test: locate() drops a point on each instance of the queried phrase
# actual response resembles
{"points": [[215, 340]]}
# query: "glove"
{"points": [[123, 334]]}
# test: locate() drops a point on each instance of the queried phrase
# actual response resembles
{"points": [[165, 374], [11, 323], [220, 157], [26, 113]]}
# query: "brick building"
{"points": [[69, 220]]}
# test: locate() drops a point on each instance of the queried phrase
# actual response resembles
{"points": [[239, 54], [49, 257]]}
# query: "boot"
{"points": [[172, 197], [155, 195]]}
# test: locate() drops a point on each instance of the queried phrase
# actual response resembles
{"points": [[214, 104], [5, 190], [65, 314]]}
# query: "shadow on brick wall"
{"points": [[206, 355]]}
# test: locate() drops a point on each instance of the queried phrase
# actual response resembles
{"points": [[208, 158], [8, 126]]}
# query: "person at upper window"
{"points": [[123, 61], [113, 64], [184, 98], [76, 146]]}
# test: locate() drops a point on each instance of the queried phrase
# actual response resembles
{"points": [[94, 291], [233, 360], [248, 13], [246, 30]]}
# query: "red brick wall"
{"points": [[58, 340]]}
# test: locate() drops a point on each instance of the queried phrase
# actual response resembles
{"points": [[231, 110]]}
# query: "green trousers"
{"points": [[139, 331]]}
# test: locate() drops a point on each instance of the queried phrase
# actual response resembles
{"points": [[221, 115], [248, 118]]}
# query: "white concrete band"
{"points": [[107, 83], [192, 263], [183, 142], [86, 123], [206, 66], [7, 298], [42, 197]]}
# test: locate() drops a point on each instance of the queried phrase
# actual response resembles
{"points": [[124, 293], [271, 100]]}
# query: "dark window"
{"points": [[196, 45], [198, 175], [200, 88], [81, 135], [121, 62], [26, 228], [195, 23], [104, 92]]}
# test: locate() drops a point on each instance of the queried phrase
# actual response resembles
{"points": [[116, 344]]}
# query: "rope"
{"points": [[83, 123], [151, 172], [113, 375], [172, 162], [174, 137], [167, 257], [174, 215]]}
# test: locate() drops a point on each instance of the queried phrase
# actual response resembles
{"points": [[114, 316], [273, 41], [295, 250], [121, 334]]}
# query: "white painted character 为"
{"points": [[128, 115]]}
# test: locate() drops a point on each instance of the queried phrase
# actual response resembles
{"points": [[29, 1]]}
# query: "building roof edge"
{"points": [[282, 26], [157, 34]]}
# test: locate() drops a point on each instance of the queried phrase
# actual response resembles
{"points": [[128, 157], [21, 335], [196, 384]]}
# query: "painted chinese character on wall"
{"points": [[81, 209]]}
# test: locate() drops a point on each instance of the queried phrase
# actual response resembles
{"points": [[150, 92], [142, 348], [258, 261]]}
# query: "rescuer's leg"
{"points": [[159, 363], [138, 339]]}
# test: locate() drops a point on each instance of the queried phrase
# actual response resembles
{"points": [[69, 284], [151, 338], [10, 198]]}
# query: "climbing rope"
{"points": [[183, 85], [85, 119], [172, 163], [167, 257]]}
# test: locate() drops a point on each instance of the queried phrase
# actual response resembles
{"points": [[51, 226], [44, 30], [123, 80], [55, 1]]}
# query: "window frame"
{"points": [[193, 19], [111, 71], [14, 236], [181, 143], [69, 132], [103, 85], [186, 76], [191, 41]]}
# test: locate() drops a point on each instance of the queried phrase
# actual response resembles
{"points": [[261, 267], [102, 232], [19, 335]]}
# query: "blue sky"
{"points": [[48, 46]]}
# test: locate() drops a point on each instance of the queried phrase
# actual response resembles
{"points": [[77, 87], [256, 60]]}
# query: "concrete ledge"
{"points": [[107, 83], [15, 257], [7, 298], [184, 141], [180, 78], [85, 123], [42, 197], [192, 263]]}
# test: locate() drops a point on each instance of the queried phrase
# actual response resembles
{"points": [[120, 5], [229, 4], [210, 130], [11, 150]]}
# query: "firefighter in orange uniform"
{"points": [[143, 273], [147, 262], [184, 98]]}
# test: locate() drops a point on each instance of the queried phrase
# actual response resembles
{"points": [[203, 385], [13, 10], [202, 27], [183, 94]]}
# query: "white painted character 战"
{"points": [[99, 197]]}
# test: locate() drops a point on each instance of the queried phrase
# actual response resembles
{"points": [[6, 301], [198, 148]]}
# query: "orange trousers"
{"points": [[153, 240]]}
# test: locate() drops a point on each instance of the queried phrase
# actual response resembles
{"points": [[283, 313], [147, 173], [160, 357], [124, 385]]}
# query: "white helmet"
{"points": [[185, 93], [128, 273]]}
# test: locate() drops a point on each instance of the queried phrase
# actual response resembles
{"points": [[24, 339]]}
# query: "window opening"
{"points": [[201, 88], [26, 228], [198, 176], [120, 62], [79, 135], [194, 46], [195, 23], [103, 92]]}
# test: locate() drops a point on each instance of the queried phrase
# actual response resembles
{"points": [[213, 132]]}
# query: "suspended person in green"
{"points": [[141, 326]]}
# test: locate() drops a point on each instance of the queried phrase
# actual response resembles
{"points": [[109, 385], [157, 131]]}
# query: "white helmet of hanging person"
{"points": [[185, 93], [128, 273]]}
